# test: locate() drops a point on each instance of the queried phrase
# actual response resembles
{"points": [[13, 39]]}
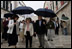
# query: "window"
{"points": [[65, 1], [46, 7], [1, 4], [62, 2], [4, 4], [56, 3], [11, 6], [53, 5]]}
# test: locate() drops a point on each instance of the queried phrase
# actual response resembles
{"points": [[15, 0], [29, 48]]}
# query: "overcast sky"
{"points": [[34, 4]]}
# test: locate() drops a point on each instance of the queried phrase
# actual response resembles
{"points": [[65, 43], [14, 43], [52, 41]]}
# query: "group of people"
{"points": [[64, 28], [10, 31], [28, 28]]}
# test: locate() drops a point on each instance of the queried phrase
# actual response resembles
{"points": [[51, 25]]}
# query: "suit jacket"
{"points": [[40, 29], [11, 26], [57, 27], [31, 29]]}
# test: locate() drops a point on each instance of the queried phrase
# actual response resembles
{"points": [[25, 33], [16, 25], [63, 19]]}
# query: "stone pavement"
{"points": [[62, 41], [59, 41], [22, 44]]}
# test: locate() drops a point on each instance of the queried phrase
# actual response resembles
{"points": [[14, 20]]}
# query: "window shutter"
{"points": [[62, 2]]}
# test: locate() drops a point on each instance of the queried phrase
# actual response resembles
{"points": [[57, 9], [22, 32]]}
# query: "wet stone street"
{"points": [[59, 41]]}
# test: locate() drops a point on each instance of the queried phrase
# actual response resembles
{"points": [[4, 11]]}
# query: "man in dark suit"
{"points": [[57, 28], [40, 30]]}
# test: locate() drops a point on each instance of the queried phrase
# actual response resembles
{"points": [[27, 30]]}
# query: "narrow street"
{"points": [[60, 41], [28, 18]]}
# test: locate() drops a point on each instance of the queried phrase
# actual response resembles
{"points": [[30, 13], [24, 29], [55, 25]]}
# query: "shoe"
{"points": [[15, 46], [40, 46], [30, 46], [51, 39], [48, 39]]}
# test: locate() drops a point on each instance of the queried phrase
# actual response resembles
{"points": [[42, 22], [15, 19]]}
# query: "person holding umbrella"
{"points": [[41, 24], [40, 30], [13, 31], [5, 22]]}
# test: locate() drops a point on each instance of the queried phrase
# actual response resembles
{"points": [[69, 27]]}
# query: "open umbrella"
{"points": [[23, 10], [45, 12], [10, 15]]}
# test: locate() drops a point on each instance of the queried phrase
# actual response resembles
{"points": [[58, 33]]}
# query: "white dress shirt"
{"points": [[40, 23]]}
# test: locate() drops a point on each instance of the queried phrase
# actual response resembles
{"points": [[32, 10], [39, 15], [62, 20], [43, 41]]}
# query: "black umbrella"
{"points": [[10, 15], [45, 12], [23, 10]]}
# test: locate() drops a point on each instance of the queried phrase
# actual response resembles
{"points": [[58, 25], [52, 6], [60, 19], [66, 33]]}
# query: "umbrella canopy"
{"points": [[10, 15], [64, 18], [45, 12], [23, 10]]}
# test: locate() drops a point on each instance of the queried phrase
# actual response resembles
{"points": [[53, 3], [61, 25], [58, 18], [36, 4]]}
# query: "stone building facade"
{"points": [[7, 6], [61, 7]]}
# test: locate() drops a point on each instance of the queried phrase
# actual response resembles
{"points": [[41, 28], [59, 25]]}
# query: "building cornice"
{"points": [[5, 9]]}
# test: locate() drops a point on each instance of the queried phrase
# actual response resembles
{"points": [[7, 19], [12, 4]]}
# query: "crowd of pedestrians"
{"points": [[27, 29]]}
